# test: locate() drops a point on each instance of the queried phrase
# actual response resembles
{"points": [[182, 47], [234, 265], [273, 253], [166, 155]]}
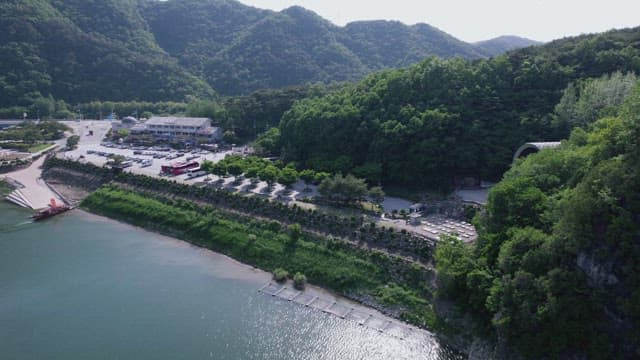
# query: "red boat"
{"points": [[54, 209]]}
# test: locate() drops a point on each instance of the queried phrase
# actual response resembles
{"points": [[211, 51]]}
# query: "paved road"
{"points": [[35, 191], [479, 196]]}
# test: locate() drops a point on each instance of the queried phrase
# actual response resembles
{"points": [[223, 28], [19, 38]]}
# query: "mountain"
{"points": [[81, 51], [147, 50], [438, 120], [286, 48], [239, 49], [388, 44], [502, 44]]}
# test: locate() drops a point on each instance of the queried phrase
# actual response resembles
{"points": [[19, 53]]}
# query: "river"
{"points": [[80, 286]]}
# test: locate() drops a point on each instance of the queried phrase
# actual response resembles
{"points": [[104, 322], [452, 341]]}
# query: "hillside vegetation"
{"points": [[555, 271], [79, 51], [440, 119], [238, 48]]}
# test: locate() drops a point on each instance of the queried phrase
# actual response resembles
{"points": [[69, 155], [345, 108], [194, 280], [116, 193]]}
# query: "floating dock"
{"points": [[338, 308]]}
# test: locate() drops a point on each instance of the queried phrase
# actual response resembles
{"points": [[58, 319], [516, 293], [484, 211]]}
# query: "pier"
{"points": [[338, 308]]}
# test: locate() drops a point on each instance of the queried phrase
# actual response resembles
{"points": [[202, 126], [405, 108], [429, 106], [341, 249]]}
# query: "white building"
{"points": [[126, 123], [180, 129]]}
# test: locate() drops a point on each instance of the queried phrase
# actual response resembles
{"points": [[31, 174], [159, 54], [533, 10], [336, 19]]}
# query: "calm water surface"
{"points": [[80, 286]]}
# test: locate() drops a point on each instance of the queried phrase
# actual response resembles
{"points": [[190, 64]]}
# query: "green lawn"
{"points": [[38, 147]]}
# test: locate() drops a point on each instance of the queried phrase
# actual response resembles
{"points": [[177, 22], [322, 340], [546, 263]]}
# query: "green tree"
{"points": [[295, 232], [43, 107], [234, 169], [287, 176], [205, 108], [343, 188], [299, 281], [72, 141], [230, 137], [308, 176], [219, 169], [280, 274], [269, 174], [321, 176], [372, 172], [207, 165], [268, 143], [377, 194], [252, 172]]}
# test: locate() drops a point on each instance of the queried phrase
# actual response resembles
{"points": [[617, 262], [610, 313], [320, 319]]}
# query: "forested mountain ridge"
{"points": [[440, 119], [43, 52], [144, 50], [502, 44], [250, 49], [390, 44], [285, 48]]}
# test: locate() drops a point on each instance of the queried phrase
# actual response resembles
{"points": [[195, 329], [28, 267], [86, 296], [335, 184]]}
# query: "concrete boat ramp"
{"points": [[339, 308], [31, 190]]}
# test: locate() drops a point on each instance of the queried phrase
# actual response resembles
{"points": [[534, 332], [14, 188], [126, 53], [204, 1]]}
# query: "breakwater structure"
{"points": [[340, 308]]}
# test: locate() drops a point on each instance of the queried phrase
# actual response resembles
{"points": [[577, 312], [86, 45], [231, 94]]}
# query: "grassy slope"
{"points": [[267, 246]]}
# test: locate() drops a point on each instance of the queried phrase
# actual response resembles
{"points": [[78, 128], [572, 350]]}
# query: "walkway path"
{"points": [[33, 192]]}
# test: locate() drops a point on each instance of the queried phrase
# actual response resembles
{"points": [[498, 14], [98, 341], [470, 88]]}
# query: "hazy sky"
{"points": [[474, 20]]}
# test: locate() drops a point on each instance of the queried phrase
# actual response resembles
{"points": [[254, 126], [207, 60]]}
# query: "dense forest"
{"points": [[78, 51], [237, 48], [555, 271], [425, 125]]}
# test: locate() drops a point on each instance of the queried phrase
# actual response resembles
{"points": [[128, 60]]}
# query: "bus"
{"points": [[196, 174], [192, 170], [179, 168]]}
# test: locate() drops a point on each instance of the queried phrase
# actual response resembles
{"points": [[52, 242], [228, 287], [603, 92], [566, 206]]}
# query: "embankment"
{"points": [[338, 252], [392, 284]]}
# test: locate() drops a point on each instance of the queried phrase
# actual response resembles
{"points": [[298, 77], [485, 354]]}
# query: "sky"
{"points": [[475, 20]]}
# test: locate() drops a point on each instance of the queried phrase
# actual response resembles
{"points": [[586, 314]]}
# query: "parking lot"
{"points": [[149, 161], [100, 154], [91, 149]]}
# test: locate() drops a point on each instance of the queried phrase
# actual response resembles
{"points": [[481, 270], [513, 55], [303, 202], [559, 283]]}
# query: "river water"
{"points": [[80, 286]]}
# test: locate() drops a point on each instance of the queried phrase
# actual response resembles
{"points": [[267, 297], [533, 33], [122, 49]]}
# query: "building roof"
{"points": [[208, 130], [545, 145], [183, 121], [138, 128]]}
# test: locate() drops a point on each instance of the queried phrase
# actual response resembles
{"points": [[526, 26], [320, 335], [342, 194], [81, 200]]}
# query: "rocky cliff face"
{"points": [[600, 274]]}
